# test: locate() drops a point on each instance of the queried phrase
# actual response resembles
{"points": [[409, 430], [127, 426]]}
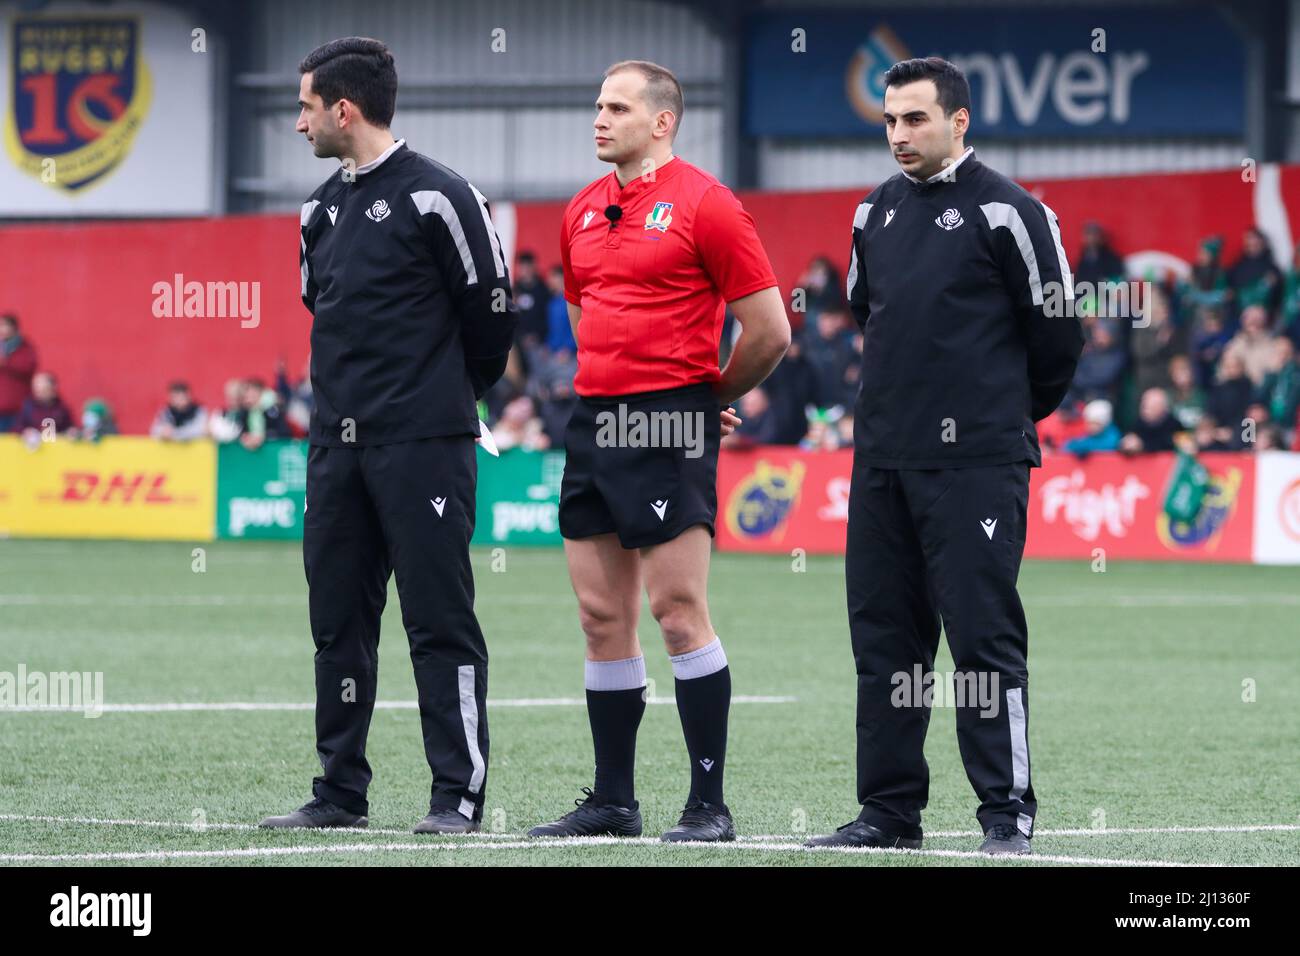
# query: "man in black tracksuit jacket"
{"points": [[961, 286], [406, 280]]}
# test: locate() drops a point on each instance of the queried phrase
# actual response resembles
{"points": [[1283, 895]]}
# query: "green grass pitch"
{"points": [[1142, 743]]}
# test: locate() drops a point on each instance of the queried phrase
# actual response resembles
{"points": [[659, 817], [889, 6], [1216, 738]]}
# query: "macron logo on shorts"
{"points": [[438, 504], [988, 524], [660, 507]]}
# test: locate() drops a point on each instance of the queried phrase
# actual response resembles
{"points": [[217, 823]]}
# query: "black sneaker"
{"points": [[858, 833], [317, 813], [593, 818], [703, 823], [1002, 839], [446, 820]]}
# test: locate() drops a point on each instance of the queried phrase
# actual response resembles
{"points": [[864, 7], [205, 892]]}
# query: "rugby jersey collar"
{"points": [[379, 160], [640, 184], [945, 175]]}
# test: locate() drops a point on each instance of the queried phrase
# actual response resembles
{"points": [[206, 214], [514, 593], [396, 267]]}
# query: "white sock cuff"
{"points": [[709, 659], [627, 674]]}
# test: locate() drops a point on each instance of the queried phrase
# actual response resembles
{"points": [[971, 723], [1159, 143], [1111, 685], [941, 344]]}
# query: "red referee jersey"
{"points": [[653, 286]]}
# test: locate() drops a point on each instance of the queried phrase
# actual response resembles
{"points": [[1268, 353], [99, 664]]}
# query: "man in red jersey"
{"points": [[652, 253]]}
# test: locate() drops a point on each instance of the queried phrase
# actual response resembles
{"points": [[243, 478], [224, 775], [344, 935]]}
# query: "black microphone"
{"points": [[613, 214]]}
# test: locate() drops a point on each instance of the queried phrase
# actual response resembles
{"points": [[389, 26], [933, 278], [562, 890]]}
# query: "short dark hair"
{"points": [[527, 256], [662, 91], [949, 81], [178, 387], [10, 318], [357, 69]]}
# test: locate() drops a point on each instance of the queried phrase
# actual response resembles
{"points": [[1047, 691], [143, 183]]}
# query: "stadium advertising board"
{"points": [[1117, 504], [777, 499], [1033, 73], [120, 487], [260, 493], [106, 111], [518, 498], [1277, 508], [774, 499]]}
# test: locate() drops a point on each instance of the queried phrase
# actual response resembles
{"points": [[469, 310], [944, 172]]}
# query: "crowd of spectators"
{"points": [[1205, 361], [31, 404]]}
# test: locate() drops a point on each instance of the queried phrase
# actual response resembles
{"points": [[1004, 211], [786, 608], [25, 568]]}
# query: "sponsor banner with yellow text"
{"points": [[120, 487]]}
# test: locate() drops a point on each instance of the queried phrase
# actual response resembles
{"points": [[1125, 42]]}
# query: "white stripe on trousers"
{"points": [[1019, 743], [469, 718]]}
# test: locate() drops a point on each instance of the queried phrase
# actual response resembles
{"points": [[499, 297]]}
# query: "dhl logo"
{"points": [[125, 487]]}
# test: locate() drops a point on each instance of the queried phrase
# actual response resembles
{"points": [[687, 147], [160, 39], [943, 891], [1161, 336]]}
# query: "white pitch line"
{"points": [[344, 848], [1121, 831], [235, 600], [238, 705], [754, 838], [1244, 828], [195, 828]]}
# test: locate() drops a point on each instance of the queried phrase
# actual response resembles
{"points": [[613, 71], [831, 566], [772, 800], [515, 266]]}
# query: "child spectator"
{"points": [[97, 420], [821, 434], [181, 419], [1101, 435], [43, 406]]}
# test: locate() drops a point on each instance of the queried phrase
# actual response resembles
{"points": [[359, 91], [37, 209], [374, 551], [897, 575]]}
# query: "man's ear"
{"points": [[667, 123], [961, 122]]}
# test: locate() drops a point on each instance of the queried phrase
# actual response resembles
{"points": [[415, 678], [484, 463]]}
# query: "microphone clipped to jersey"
{"points": [[613, 213]]}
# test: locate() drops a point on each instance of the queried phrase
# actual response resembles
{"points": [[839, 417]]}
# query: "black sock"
{"points": [[702, 704], [615, 716]]}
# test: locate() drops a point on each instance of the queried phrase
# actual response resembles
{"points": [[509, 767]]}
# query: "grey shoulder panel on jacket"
{"points": [[430, 173]]}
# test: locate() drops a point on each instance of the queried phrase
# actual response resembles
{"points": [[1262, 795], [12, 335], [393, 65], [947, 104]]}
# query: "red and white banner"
{"points": [[776, 499], [1117, 504]]}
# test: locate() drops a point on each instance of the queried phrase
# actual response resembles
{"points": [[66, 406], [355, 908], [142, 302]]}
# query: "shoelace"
{"points": [[580, 804], [696, 814], [1003, 831]]}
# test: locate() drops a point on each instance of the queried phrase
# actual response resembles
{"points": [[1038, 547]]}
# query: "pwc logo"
{"points": [[116, 487]]}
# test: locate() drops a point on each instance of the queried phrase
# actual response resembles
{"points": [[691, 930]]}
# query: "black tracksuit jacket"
{"points": [[964, 295], [407, 281]]}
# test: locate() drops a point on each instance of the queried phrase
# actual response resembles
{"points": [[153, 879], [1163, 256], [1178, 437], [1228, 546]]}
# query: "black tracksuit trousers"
{"points": [[925, 546], [407, 508]]}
